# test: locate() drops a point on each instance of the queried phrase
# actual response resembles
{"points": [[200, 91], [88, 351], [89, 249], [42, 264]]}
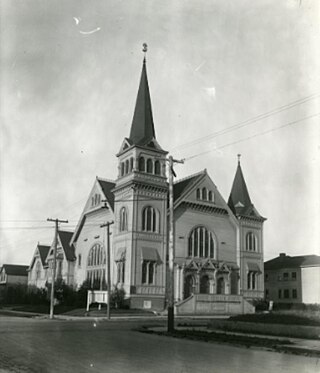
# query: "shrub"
{"points": [[117, 298], [63, 293], [13, 294]]}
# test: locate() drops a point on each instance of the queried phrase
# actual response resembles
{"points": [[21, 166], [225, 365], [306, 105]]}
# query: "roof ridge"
{"points": [[64, 231], [105, 179], [191, 176]]}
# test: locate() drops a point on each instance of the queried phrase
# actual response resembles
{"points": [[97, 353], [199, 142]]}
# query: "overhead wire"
{"points": [[248, 121], [253, 136]]}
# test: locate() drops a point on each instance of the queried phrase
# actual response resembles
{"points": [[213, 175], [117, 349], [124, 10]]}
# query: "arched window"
{"points": [[127, 166], [149, 219], [142, 164], [96, 263], [210, 196], [157, 168], [201, 243], [123, 220], [198, 194], [131, 164], [204, 194], [149, 166], [251, 242]]}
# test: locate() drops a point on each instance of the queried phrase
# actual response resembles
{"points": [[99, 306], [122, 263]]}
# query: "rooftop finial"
{"points": [[239, 156], [144, 50]]}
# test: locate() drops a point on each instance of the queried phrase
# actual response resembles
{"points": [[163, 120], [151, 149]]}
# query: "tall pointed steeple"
{"points": [[142, 128], [239, 200]]}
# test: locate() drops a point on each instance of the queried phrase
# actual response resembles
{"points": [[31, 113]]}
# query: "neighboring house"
{"points": [[293, 279], [38, 270], [65, 259], [13, 274], [219, 245]]}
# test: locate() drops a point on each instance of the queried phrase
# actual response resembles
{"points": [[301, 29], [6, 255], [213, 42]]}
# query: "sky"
{"points": [[226, 77]]}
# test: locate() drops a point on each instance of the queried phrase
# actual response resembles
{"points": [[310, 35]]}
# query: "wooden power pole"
{"points": [[54, 265], [170, 288], [108, 265]]}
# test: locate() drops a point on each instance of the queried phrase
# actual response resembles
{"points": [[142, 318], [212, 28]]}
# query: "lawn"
{"points": [[306, 318]]}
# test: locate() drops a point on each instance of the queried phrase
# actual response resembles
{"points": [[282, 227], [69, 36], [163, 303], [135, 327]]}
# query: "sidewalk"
{"points": [[309, 347]]}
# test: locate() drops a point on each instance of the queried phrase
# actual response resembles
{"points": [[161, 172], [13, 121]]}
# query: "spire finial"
{"points": [[144, 50], [239, 156]]}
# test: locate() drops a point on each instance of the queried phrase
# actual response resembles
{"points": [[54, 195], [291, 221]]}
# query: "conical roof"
{"points": [[239, 199], [142, 128]]}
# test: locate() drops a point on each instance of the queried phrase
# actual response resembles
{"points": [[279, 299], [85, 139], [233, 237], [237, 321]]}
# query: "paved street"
{"points": [[35, 345]]}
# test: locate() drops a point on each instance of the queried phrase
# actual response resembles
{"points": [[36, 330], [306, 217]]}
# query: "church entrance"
{"points": [[220, 286], [205, 285], [189, 285]]}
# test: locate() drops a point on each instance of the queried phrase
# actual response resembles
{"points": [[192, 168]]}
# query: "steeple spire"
{"points": [[142, 128]]}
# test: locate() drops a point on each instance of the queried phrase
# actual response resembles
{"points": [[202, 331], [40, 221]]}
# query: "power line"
{"points": [[248, 121], [253, 136]]}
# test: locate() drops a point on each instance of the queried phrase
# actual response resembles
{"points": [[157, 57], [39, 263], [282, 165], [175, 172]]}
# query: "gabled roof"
{"points": [[142, 128], [15, 269], [107, 187], [286, 261], [182, 186], [43, 252], [65, 238], [239, 199]]}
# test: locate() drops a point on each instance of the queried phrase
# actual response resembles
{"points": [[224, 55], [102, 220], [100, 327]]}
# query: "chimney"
{"points": [[282, 255]]}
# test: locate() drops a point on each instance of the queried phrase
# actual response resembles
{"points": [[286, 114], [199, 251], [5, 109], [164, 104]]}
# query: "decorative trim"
{"points": [[205, 208]]}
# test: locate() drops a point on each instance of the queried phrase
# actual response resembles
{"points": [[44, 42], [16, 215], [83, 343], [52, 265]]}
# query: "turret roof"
{"points": [[239, 199]]}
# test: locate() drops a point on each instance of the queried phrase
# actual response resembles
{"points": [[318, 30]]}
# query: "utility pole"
{"points": [[57, 221], [171, 248], [108, 265]]}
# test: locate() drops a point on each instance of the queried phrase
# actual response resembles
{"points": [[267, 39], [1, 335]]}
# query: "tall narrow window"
{"points": [[123, 220], [204, 194], [249, 280], [149, 166], [144, 271], [198, 194], [131, 164], [127, 166], [148, 272], [122, 168], [142, 164], [210, 196], [157, 168], [38, 271], [251, 242]]}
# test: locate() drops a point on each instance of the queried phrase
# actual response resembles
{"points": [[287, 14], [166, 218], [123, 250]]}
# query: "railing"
{"points": [[150, 290], [218, 298]]}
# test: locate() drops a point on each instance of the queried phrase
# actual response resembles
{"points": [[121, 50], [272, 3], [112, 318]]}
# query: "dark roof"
{"points": [[15, 269], [43, 251], [239, 199], [142, 128], [286, 261], [65, 238], [181, 186], [107, 187]]}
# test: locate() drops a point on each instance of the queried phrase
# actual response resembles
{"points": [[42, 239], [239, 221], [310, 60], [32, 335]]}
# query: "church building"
{"points": [[218, 261]]}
